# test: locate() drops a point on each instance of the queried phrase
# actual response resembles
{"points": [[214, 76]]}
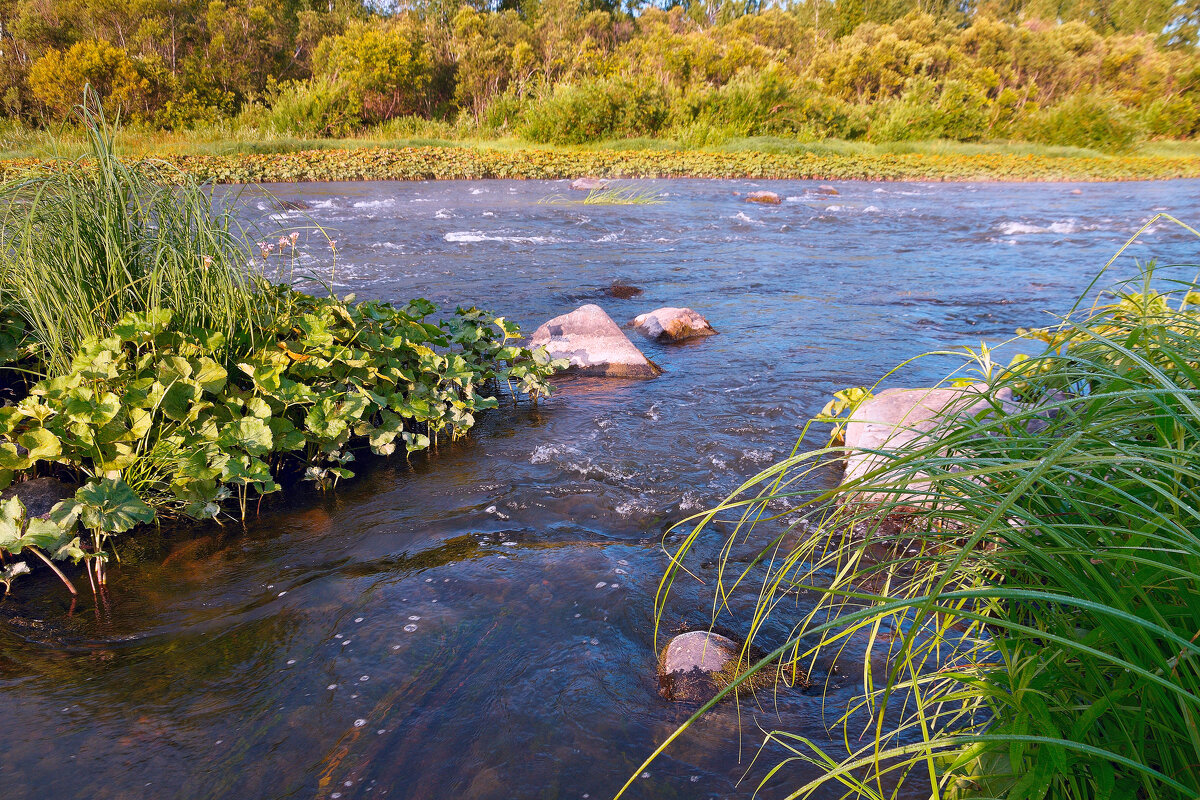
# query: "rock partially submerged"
{"points": [[769, 198], [827, 190], [622, 291], [593, 345], [672, 324], [39, 495], [588, 184], [689, 666], [896, 420]]}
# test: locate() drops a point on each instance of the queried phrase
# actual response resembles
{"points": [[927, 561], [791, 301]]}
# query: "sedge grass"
{"points": [[1037, 617], [610, 196], [83, 243]]}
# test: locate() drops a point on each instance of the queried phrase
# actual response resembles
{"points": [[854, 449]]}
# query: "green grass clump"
{"points": [[1035, 617], [610, 196]]}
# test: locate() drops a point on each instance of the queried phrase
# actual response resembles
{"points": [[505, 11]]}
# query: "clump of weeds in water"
{"points": [[610, 196], [1035, 616], [149, 365]]}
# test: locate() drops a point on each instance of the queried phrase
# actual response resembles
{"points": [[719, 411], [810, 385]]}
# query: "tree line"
{"points": [[1101, 73]]}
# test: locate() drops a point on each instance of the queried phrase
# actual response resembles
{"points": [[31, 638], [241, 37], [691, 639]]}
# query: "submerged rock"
{"points": [[763, 197], [290, 205], [672, 324], [827, 189], [594, 345], [689, 665], [622, 291], [39, 495], [588, 184]]}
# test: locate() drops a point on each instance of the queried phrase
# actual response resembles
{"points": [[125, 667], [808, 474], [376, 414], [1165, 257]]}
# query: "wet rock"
{"points": [[904, 419], [672, 324], [594, 345], [588, 184], [622, 291], [689, 665], [769, 198], [827, 190], [39, 494], [290, 205]]}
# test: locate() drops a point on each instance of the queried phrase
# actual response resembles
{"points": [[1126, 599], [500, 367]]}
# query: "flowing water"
{"points": [[478, 624]]}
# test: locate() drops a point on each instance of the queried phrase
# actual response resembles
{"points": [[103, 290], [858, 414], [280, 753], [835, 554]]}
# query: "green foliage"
{"points": [[318, 107], [1025, 577], [85, 244], [605, 109], [1085, 121], [57, 79], [387, 67]]}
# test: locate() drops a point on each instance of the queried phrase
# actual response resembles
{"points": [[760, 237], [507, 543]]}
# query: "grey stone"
{"points": [[588, 184], [672, 324], [689, 663], [594, 345], [763, 197], [904, 419], [39, 495]]}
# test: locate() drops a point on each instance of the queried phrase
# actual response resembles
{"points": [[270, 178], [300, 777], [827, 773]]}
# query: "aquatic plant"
{"points": [[1027, 578], [86, 242], [610, 196], [473, 163]]}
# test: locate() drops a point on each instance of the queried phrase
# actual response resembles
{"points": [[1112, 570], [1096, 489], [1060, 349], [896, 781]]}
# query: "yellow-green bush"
{"points": [[57, 79]]}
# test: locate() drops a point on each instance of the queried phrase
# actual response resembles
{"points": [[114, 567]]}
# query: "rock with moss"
{"points": [[769, 198], [592, 344], [672, 324], [695, 665]]}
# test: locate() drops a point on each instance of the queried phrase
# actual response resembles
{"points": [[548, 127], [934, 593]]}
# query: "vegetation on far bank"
{"points": [[1026, 581], [142, 359], [568, 72], [448, 162]]}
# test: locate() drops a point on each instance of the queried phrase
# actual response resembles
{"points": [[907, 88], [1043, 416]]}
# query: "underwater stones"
{"points": [[588, 184], [290, 205], [39, 495], [622, 291], [689, 664], [672, 324], [827, 190], [896, 420], [593, 345], [770, 198]]}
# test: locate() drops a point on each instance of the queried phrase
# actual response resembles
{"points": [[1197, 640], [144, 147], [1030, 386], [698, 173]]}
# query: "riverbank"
{"points": [[454, 162]]}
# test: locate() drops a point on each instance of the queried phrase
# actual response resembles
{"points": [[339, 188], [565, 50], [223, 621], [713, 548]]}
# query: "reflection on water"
{"points": [[478, 623]]}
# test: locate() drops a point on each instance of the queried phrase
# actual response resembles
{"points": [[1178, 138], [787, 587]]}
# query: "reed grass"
{"points": [[82, 245], [610, 196], [1035, 608]]}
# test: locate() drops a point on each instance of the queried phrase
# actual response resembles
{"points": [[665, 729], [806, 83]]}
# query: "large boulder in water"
{"points": [[690, 666], [672, 324], [593, 345], [896, 420]]}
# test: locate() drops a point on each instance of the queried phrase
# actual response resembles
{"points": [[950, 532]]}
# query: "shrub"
{"points": [[387, 65], [959, 111], [1173, 117], [602, 109], [318, 107], [57, 79], [1085, 121]]}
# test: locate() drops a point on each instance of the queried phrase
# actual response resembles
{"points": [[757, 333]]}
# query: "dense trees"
{"points": [[1090, 72]]}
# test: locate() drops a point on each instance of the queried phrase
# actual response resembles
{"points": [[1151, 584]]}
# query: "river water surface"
{"points": [[478, 624]]}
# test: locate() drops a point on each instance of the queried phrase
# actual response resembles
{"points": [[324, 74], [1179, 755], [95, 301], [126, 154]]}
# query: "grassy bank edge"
{"points": [[466, 162]]}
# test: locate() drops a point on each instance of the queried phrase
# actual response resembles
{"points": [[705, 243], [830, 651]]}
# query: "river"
{"points": [[479, 623]]}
